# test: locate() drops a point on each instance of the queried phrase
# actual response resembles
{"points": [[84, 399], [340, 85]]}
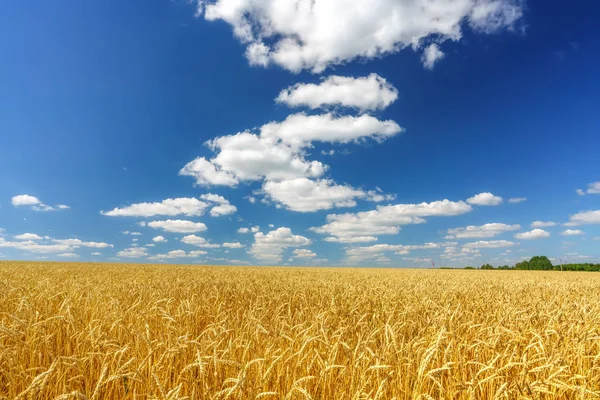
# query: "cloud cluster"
{"points": [[188, 206], [178, 226], [365, 226], [593, 188], [479, 232], [35, 203], [269, 247], [277, 153], [313, 35], [33, 243]]}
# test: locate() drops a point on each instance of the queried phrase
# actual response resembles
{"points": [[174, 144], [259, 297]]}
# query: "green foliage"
{"points": [[469, 267], [486, 266]]}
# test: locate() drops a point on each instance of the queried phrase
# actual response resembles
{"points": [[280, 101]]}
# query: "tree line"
{"points": [[543, 263]]}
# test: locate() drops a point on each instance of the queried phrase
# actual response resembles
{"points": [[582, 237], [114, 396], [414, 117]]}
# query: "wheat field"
{"points": [[108, 331]]}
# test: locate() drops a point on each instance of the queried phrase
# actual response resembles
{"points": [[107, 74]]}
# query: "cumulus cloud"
{"points": [[313, 35], [133, 252], [276, 152], [516, 200], [159, 239], [593, 188], [33, 243], [431, 55], [303, 253], [483, 231], [35, 203], [177, 254], [252, 229], [572, 232], [233, 245], [269, 247], [542, 224], [585, 217], [222, 209], [491, 244], [386, 220], [28, 236], [96, 253], [178, 226], [533, 234], [170, 207], [306, 195], [198, 241], [485, 199], [377, 251], [364, 93]]}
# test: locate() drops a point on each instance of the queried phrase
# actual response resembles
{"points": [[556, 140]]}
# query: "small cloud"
{"points": [[516, 200], [159, 239], [532, 235], [542, 224], [572, 232], [485, 199], [68, 255]]}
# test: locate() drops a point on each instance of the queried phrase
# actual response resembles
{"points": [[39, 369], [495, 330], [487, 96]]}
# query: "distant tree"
{"points": [[469, 267], [522, 265], [487, 266], [540, 263], [504, 267]]}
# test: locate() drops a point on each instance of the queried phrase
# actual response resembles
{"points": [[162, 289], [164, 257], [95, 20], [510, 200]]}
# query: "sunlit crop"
{"points": [[107, 331]]}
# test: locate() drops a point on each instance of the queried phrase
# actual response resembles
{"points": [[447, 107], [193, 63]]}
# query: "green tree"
{"points": [[487, 266], [540, 263]]}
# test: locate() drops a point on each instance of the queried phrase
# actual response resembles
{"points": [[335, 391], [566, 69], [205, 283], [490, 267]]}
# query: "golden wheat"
{"points": [[106, 331]]}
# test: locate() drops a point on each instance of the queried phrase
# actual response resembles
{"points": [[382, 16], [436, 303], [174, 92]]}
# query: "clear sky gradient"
{"points": [[404, 134]]}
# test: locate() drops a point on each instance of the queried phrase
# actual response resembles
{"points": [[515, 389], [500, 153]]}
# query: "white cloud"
{"points": [[159, 239], [572, 232], [170, 207], [198, 241], [25, 200], [593, 188], [516, 200], [35, 244], [365, 93], [133, 252], [491, 244], [586, 217], [76, 243], [96, 253], [385, 220], [269, 247], [178, 226], [207, 173], [222, 209], [431, 55], [68, 255], [150, 245], [35, 203], [252, 229], [306, 195], [300, 130], [483, 231], [376, 251], [28, 236], [233, 245], [276, 152], [303, 253], [178, 254], [542, 224], [132, 233], [485, 199], [533, 234], [314, 35]]}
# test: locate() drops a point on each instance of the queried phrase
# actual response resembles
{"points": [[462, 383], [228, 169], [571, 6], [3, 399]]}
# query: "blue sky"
{"points": [[257, 132]]}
